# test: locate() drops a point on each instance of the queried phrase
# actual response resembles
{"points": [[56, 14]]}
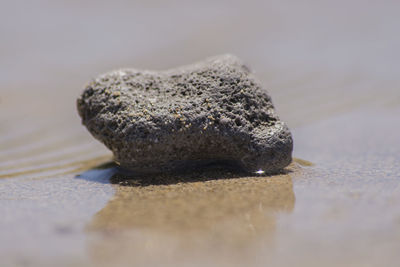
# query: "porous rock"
{"points": [[162, 121]]}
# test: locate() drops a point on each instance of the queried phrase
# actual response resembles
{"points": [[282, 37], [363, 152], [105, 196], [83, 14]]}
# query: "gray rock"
{"points": [[161, 121]]}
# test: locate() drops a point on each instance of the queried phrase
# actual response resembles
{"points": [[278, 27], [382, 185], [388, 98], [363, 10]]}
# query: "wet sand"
{"points": [[332, 73], [187, 220]]}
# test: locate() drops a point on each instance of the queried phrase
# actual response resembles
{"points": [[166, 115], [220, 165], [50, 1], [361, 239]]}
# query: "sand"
{"points": [[333, 76], [223, 215]]}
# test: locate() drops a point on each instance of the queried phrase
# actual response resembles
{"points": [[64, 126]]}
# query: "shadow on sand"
{"points": [[110, 172]]}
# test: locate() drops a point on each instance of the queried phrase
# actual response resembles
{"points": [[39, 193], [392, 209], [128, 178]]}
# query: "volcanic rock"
{"points": [[166, 121]]}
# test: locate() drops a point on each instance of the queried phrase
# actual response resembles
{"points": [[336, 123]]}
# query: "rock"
{"points": [[162, 121]]}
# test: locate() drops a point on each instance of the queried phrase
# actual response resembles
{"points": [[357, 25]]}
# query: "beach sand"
{"points": [[332, 72]]}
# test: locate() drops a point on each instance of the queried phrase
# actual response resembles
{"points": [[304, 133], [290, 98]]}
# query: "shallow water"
{"points": [[332, 73]]}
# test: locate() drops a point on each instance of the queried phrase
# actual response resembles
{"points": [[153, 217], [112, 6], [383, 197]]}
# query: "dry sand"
{"points": [[332, 71]]}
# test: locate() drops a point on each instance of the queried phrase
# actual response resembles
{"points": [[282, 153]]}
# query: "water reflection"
{"points": [[161, 219]]}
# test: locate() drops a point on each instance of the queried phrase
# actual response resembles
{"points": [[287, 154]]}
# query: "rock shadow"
{"points": [[110, 172]]}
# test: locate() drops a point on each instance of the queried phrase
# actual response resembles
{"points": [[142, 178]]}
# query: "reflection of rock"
{"points": [[158, 223]]}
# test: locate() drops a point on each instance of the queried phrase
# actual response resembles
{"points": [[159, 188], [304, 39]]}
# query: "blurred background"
{"points": [[334, 54], [328, 65]]}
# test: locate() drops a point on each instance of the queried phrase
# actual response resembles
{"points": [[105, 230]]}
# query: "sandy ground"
{"points": [[332, 69]]}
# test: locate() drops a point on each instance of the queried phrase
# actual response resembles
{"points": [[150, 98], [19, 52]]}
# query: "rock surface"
{"points": [[164, 121]]}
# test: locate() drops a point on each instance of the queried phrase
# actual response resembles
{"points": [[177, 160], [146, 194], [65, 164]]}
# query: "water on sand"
{"points": [[332, 73]]}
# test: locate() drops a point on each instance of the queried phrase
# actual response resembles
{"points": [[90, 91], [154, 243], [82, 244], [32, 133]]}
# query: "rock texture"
{"points": [[164, 121]]}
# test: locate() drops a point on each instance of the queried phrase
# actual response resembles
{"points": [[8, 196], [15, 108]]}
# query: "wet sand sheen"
{"points": [[327, 69], [222, 213]]}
